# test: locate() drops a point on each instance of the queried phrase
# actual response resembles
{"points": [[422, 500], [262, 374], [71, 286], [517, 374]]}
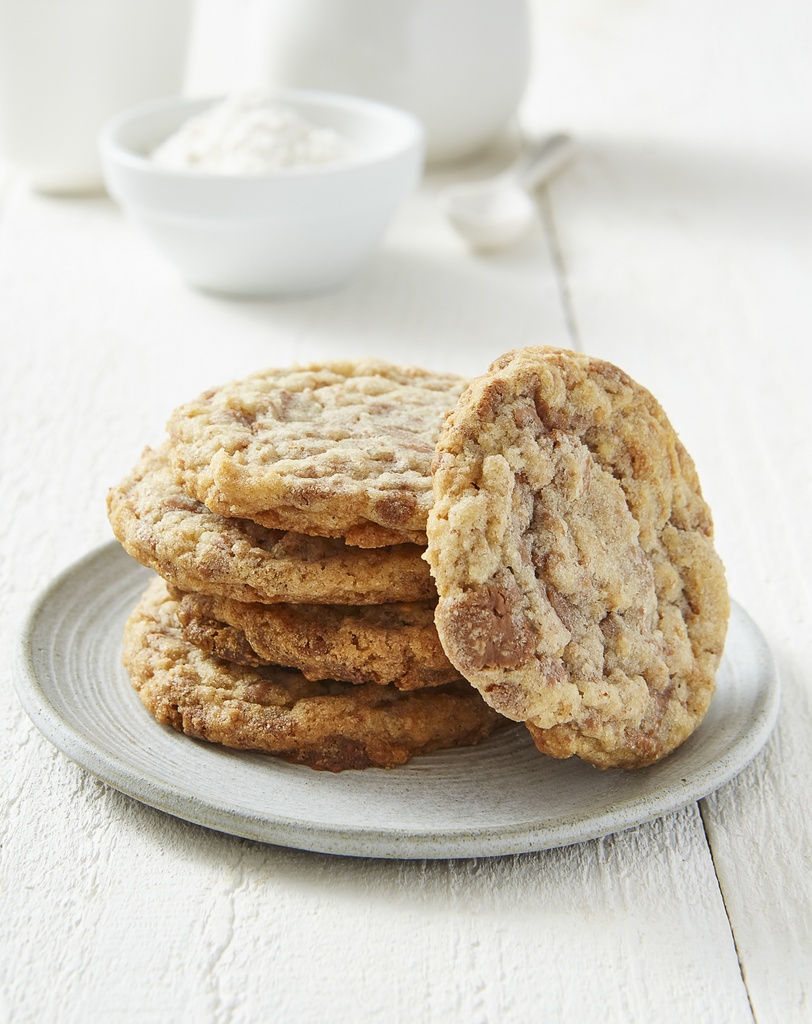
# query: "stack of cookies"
{"points": [[359, 562], [293, 611]]}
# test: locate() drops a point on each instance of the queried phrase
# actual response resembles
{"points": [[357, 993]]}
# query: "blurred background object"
{"points": [[459, 66], [66, 66], [296, 229]]}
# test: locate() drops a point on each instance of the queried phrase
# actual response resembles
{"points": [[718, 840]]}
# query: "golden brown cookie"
{"points": [[336, 450], [197, 550], [386, 644], [579, 588], [326, 725]]}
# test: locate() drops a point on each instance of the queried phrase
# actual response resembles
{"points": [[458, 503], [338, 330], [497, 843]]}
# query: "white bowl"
{"points": [[295, 230]]}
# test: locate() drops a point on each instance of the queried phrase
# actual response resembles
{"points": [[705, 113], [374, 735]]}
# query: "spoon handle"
{"points": [[544, 159]]}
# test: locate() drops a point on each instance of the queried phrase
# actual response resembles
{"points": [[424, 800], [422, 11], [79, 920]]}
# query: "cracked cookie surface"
{"points": [[579, 588], [341, 449], [393, 644], [197, 550], [326, 725]]}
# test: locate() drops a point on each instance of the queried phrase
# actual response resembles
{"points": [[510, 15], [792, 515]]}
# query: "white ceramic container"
{"points": [[292, 231], [460, 66], [67, 66]]}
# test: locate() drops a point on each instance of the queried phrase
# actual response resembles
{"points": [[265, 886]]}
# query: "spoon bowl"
{"points": [[490, 217], [498, 211]]}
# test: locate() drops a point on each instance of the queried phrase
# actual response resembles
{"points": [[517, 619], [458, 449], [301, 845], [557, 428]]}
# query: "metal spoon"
{"points": [[496, 212]]}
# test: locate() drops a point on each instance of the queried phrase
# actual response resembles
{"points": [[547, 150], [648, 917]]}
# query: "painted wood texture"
{"points": [[679, 247]]}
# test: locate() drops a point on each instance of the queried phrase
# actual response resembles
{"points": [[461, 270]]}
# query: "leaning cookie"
{"points": [[325, 725], [336, 450], [197, 550], [579, 588], [386, 644]]}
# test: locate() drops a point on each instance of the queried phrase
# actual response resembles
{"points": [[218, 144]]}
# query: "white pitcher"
{"points": [[459, 65], [66, 66]]}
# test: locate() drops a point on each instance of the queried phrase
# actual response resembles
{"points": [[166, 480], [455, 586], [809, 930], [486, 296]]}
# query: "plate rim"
{"points": [[377, 840]]}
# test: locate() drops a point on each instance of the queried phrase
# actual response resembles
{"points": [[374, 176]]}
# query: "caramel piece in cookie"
{"points": [[336, 450], [326, 725], [197, 550], [385, 643], [579, 589]]}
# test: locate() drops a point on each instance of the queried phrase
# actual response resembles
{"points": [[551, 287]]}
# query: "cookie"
{"points": [[393, 644], [326, 725], [336, 450], [579, 588], [197, 550]]}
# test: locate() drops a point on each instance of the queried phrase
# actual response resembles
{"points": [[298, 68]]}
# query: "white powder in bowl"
{"points": [[249, 133]]}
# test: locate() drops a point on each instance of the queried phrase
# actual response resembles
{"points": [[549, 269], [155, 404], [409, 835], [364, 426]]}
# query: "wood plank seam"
{"points": [[724, 904]]}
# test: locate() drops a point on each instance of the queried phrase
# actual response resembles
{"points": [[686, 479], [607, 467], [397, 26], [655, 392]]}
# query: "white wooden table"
{"points": [[679, 247]]}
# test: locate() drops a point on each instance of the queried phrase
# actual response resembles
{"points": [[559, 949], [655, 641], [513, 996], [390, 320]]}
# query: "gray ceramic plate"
{"points": [[499, 798]]}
